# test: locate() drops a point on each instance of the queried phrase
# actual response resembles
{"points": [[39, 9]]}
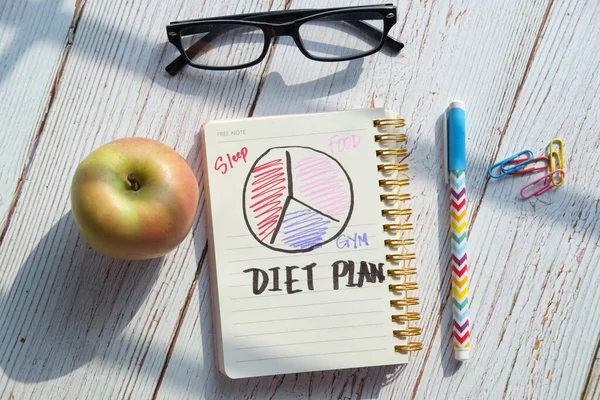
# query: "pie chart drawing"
{"points": [[296, 199]]}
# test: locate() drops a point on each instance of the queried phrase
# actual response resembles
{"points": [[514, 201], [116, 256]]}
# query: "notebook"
{"points": [[311, 259]]}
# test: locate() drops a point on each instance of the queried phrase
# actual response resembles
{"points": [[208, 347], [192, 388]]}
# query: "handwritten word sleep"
{"points": [[352, 275], [352, 241], [224, 166], [340, 144]]}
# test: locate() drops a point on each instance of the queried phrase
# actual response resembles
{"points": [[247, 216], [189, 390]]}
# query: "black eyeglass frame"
{"points": [[292, 20]]}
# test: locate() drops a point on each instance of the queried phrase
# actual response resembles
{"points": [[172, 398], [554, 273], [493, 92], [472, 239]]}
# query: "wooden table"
{"points": [[75, 74]]}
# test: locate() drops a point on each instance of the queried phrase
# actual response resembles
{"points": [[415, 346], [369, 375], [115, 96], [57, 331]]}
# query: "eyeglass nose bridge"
{"points": [[285, 29]]}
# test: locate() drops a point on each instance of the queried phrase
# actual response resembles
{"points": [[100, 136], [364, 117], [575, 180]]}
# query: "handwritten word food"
{"points": [[339, 144]]}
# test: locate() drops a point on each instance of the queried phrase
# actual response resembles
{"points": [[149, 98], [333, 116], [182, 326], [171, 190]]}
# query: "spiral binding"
{"points": [[394, 182], [392, 212], [385, 137], [399, 242], [395, 197], [405, 302], [400, 257], [409, 316], [410, 331], [397, 227], [396, 122], [402, 271], [411, 346], [392, 152], [390, 168]]}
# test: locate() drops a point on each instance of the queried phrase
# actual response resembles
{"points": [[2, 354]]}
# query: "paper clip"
{"points": [[548, 184], [542, 159], [502, 164], [559, 156]]}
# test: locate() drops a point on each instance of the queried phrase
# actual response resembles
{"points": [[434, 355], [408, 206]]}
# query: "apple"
{"points": [[134, 199]]}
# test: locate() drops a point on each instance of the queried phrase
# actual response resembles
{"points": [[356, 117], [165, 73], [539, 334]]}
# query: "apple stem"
{"points": [[135, 186]]}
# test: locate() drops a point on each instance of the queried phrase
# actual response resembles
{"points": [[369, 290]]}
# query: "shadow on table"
{"points": [[121, 49], [276, 92], [148, 55], [66, 304]]}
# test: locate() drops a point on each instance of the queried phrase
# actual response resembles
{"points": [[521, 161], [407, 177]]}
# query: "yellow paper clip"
{"points": [[557, 161]]}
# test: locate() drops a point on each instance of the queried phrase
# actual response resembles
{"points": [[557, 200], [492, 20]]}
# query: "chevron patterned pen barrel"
{"points": [[460, 277]]}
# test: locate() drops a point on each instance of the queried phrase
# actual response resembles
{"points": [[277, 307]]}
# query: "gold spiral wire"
{"points": [[402, 152], [396, 137], [397, 227], [396, 122], [399, 242], [394, 182], [390, 169], [393, 212], [411, 346], [395, 197], [401, 271], [410, 331], [403, 287], [400, 257], [406, 317], [405, 302]]}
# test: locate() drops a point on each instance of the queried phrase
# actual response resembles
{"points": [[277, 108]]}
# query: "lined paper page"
{"points": [[297, 244]]}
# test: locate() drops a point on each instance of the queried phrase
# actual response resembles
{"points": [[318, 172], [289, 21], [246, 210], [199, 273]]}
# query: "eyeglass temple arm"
{"points": [[178, 63], [272, 16], [390, 43]]}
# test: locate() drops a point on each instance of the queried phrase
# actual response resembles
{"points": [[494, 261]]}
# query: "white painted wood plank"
{"points": [[546, 334], [535, 326], [33, 38], [479, 53], [76, 324]]}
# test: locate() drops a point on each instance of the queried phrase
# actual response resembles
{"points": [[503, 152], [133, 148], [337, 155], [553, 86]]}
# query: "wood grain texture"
{"points": [[550, 327], [75, 324], [33, 43], [529, 260]]}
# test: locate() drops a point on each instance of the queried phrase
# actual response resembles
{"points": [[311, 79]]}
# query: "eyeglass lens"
{"points": [[342, 35], [223, 45]]}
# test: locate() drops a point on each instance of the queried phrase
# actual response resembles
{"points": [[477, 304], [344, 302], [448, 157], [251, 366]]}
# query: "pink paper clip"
{"points": [[547, 185], [525, 161]]}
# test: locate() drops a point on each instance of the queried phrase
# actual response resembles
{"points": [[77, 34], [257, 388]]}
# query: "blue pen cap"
{"points": [[457, 138]]}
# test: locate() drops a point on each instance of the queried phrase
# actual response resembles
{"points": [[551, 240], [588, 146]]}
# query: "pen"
{"points": [[457, 164]]}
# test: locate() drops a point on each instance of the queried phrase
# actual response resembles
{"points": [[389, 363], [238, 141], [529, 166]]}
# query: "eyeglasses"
{"points": [[240, 41]]}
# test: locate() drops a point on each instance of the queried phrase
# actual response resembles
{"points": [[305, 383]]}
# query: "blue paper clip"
{"points": [[503, 164]]}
